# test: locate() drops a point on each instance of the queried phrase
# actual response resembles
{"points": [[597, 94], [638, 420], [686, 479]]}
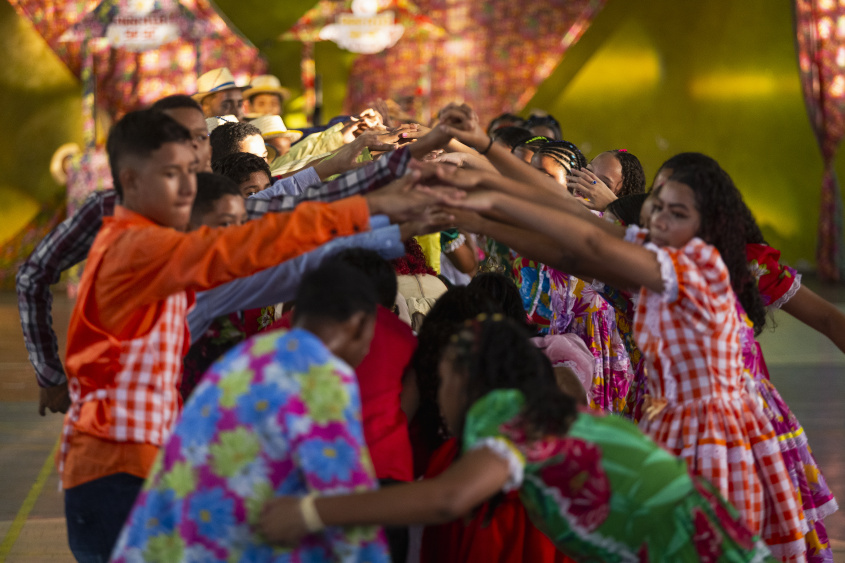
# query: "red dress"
{"points": [[508, 537]]}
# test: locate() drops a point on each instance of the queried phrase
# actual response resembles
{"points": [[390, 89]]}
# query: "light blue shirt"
{"points": [[292, 185], [279, 283]]}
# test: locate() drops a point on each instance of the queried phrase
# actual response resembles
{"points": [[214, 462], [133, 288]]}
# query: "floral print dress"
{"points": [[277, 415], [605, 492]]}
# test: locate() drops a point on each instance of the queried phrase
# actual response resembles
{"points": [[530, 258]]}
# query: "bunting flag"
{"points": [[820, 43]]}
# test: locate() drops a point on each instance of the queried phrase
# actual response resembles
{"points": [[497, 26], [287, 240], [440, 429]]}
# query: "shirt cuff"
{"points": [[667, 273], [379, 221], [508, 453]]}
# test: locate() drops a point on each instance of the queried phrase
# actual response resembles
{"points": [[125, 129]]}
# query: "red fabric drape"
{"points": [[820, 42], [494, 56]]}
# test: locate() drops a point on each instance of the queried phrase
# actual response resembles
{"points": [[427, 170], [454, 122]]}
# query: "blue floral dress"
{"points": [[277, 415]]}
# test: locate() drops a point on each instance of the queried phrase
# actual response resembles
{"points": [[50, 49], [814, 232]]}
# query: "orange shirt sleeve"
{"points": [[148, 264]]}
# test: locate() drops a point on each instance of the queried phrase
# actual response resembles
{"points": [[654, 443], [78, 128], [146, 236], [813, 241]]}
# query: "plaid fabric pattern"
{"points": [[64, 247], [143, 402], [358, 181], [690, 335]]}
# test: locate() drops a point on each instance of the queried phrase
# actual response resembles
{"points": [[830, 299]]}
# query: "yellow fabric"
{"points": [[309, 149], [431, 250]]}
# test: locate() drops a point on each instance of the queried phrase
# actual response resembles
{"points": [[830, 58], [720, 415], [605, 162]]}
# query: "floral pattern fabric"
{"points": [[605, 492], [277, 415], [581, 308], [532, 280]]}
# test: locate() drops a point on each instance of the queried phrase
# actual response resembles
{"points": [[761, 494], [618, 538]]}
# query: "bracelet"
{"points": [[309, 513], [488, 147]]}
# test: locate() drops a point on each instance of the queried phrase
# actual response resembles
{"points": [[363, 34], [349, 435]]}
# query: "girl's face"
{"points": [[608, 169], [525, 153], [551, 167], [674, 217], [451, 395]]}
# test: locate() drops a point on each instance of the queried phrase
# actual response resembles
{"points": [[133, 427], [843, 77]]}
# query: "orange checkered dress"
{"points": [[698, 407]]}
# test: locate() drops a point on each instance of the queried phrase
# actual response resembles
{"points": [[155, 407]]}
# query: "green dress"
{"points": [[606, 492]]}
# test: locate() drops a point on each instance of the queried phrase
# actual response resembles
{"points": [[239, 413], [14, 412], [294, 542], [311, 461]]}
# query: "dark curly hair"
{"points": [[633, 176], [511, 136], [565, 153], [454, 307], [495, 353], [508, 118], [545, 121], [226, 139], [627, 208], [239, 166], [502, 290], [724, 224]]}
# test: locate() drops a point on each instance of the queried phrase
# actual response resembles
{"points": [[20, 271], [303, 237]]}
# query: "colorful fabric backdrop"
{"points": [[820, 39], [493, 57]]}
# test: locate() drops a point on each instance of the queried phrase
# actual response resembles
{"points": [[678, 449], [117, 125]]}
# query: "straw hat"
{"points": [[57, 163], [273, 126], [212, 123], [267, 84], [215, 81]]}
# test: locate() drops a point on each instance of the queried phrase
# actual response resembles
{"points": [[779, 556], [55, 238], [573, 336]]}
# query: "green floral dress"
{"points": [[606, 492]]}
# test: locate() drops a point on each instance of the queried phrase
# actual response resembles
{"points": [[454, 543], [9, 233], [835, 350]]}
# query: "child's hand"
{"points": [[462, 123], [432, 220], [589, 189], [281, 521], [402, 200]]}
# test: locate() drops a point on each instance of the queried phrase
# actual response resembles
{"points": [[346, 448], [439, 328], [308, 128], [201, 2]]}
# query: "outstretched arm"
{"points": [[475, 477], [818, 313], [586, 249]]}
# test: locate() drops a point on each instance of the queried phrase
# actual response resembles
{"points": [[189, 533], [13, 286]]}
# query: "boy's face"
{"points": [[162, 186], [194, 121], [227, 211], [266, 104], [256, 182]]}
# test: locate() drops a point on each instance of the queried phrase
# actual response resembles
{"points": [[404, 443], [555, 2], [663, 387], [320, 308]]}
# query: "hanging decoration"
{"points": [[364, 26], [820, 43]]}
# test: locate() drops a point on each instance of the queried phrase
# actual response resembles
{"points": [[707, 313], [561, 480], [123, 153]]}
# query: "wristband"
{"points": [[490, 144], [309, 513]]}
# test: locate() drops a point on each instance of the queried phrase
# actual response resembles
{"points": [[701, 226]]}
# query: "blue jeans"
{"points": [[95, 514]]}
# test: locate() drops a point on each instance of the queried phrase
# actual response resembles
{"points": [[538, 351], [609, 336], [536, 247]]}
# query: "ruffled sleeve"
{"points": [[483, 430], [777, 283], [696, 280]]}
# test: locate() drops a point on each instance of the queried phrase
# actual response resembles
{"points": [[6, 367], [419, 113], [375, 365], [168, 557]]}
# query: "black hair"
{"points": [[503, 291], [724, 219], [139, 133], [239, 166], [376, 268], [511, 136], [633, 176], [565, 153], [451, 310], [627, 208], [226, 138], [545, 121], [496, 354], [176, 101], [506, 117], [210, 188], [334, 292]]}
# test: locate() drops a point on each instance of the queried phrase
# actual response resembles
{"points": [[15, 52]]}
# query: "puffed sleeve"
{"points": [[482, 430], [777, 283]]}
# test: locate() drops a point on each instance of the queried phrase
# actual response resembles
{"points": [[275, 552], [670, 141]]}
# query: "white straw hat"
{"points": [[212, 123], [266, 84], [273, 126]]}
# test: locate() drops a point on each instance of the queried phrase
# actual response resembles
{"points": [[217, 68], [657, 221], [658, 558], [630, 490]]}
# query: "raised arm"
{"points": [[818, 313], [586, 249]]}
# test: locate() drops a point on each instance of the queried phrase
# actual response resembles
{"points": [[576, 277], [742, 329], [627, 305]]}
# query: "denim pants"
{"points": [[95, 513]]}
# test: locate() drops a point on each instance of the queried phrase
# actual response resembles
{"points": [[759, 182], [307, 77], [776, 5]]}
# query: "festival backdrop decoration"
{"points": [[127, 54], [494, 56], [820, 43], [363, 26]]}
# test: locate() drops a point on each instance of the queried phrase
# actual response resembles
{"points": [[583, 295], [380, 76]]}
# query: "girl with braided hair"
{"points": [[610, 175], [594, 485]]}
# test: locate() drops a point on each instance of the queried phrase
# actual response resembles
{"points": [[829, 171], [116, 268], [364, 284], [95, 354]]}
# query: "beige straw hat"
{"points": [[273, 126], [267, 84], [215, 81]]}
